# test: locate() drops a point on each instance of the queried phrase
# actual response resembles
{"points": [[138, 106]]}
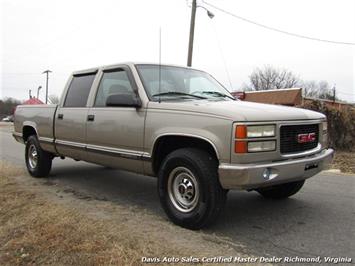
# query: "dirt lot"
{"points": [[40, 224]]}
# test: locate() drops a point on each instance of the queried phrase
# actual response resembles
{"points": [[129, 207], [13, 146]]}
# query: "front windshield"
{"points": [[180, 83]]}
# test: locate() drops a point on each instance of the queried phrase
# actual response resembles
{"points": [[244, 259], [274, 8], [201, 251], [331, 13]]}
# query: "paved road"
{"points": [[318, 221]]}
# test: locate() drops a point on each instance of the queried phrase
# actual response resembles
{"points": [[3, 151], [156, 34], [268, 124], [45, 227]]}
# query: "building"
{"points": [[32, 100], [289, 97], [336, 104]]}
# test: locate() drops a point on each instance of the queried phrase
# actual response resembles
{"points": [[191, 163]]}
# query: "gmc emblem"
{"points": [[304, 138]]}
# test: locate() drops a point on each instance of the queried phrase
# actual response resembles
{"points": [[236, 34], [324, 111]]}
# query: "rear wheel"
{"points": [[189, 189], [281, 191], [38, 161]]}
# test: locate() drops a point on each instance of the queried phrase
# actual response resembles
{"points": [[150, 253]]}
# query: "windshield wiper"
{"points": [[217, 93], [178, 93]]}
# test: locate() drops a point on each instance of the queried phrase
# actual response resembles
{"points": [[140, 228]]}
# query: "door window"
{"points": [[113, 82], [79, 90]]}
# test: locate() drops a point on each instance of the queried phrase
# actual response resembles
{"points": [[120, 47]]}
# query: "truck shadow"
{"points": [[248, 221], [243, 209]]}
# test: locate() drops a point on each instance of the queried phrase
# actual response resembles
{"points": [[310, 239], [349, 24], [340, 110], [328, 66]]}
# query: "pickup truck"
{"points": [[182, 126]]}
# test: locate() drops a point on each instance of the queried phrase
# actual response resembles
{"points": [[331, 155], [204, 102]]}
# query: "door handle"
{"points": [[60, 116], [91, 117]]}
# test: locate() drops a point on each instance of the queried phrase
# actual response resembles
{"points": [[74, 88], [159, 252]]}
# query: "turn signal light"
{"points": [[241, 132], [240, 147]]}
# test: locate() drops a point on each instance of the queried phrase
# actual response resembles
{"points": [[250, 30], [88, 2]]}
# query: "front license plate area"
{"points": [[310, 166]]}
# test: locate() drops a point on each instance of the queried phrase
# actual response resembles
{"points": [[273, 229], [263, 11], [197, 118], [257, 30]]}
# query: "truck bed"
{"points": [[40, 117]]}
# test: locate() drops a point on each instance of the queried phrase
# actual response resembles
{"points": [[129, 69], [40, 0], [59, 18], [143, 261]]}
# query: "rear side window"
{"points": [[79, 90]]}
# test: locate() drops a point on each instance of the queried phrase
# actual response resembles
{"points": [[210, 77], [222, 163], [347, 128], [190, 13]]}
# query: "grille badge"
{"points": [[305, 138]]}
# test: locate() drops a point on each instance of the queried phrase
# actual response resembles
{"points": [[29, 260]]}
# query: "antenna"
{"points": [[223, 59], [159, 62]]}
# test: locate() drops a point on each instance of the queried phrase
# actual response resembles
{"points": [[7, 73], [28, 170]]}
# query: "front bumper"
{"points": [[250, 176]]}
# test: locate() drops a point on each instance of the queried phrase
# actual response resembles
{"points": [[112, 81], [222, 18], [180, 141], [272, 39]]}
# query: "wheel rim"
{"points": [[32, 156], [183, 189]]}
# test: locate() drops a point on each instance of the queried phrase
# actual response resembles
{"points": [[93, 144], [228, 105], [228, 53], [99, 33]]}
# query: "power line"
{"points": [[275, 29]]}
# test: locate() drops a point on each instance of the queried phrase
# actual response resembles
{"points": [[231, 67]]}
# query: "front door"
{"points": [[115, 134]]}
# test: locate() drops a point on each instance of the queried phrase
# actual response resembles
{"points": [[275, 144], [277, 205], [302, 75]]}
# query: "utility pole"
{"points": [[334, 93], [40, 87], [47, 72], [192, 29], [192, 32], [29, 93]]}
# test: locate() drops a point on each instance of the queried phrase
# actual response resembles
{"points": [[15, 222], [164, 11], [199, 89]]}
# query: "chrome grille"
{"points": [[289, 138]]}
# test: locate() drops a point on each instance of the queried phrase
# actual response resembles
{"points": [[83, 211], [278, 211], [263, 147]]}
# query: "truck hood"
{"points": [[239, 110]]}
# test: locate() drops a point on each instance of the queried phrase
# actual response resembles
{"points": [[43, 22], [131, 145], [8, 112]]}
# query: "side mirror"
{"points": [[123, 100]]}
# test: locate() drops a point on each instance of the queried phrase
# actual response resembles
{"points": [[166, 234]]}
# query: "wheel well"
{"points": [[28, 131], [167, 144]]}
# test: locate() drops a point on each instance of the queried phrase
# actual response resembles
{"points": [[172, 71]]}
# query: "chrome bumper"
{"points": [[250, 176]]}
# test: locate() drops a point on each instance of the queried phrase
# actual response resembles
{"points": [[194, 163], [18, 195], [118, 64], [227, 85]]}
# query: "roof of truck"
{"points": [[129, 63]]}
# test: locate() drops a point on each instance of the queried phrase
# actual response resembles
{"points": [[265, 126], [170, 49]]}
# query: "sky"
{"points": [[65, 36]]}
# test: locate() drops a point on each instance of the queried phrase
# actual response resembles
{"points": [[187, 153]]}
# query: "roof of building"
{"points": [[33, 100], [291, 96]]}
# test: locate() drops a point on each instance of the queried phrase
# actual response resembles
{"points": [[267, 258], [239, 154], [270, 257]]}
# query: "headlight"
{"points": [[245, 135], [260, 131], [257, 146]]}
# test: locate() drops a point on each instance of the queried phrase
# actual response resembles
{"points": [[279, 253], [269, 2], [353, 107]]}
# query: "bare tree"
{"points": [[7, 106], [321, 89], [53, 99], [270, 78]]}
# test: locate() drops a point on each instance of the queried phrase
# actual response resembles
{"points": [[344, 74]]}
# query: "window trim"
{"points": [[70, 83], [116, 69]]}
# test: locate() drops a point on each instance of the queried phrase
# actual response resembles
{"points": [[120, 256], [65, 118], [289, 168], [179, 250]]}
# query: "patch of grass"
{"points": [[36, 231], [345, 161], [38, 227]]}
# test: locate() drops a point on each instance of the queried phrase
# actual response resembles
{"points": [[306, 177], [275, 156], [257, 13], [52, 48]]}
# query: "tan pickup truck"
{"points": [[180, 125]]}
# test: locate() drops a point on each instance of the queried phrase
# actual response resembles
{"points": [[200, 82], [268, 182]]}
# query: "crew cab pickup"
{"points": [[180, 125]]}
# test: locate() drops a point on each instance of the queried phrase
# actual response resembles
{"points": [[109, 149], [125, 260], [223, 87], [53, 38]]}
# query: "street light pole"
{"points": [[192, 32], [192, 29], [40, 87], [47, 72]]}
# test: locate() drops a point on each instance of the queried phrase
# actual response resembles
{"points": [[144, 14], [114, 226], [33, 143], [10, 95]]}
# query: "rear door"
{"points": [[71, 116]]}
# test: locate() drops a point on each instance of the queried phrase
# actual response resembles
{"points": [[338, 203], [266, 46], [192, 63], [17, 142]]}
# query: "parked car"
{"points": [[9, 118], [180, 125]]}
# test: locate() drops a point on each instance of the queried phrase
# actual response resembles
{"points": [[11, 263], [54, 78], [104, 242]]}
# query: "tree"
{"points": [[320, 89], [270, 78], [53, 99], [7, 106]]}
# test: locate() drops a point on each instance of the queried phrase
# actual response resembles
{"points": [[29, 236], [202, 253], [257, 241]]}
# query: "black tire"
{"points": [[43, 164], [281, 191], [210, 197]]}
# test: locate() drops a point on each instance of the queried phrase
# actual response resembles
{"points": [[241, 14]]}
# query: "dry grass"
{"points": [[36, 231], [345, 161]]}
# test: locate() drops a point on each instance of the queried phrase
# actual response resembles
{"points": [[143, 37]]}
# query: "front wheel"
{"points": [[38, 161], [281, 191], [189, 189]]}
